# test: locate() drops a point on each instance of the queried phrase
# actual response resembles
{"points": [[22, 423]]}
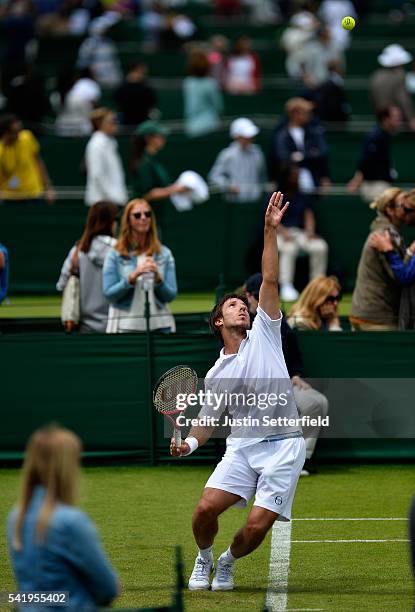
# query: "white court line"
{"points": [[279, 563], [351, 519], [335, 541]]}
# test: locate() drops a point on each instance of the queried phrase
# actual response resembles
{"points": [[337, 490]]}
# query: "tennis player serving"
{"points": [[265, 466]]}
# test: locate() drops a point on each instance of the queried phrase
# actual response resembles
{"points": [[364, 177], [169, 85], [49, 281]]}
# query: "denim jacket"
{"points": [[117, 269], [69, 559]]}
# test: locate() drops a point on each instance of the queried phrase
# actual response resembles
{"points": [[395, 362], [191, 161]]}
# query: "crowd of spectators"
{"points": [[297, 160]]}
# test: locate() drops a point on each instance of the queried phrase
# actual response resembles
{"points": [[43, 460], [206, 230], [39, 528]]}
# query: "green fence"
{"points": [[98, 385], [215, 237]]}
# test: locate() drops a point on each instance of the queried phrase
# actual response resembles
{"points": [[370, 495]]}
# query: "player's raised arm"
{"points": [[268, 294]]}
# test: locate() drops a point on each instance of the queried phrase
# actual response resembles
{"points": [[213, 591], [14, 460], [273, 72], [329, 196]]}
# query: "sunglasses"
{"points": [[138, 215], [408, 210], [332, 299]]}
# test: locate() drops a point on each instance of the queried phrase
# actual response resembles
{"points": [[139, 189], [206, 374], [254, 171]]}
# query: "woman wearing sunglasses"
{"points": [[317, 307], [139, 266], [377, 293]]}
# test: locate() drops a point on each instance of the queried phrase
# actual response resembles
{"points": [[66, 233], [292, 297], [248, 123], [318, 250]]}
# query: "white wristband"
{"points": [[193, 444]]}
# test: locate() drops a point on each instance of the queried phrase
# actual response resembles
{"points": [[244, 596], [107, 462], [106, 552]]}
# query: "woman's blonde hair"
{"points": [[385, 198], [52, 461], [310, 300], [125, 241], [98, 115]]}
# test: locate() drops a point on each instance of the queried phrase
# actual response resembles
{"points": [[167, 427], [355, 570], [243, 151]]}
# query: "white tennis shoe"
{"points": [[200, 578], [223, 579]]}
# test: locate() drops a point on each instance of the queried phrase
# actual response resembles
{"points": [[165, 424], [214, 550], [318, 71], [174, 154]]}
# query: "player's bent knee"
{"points": [[257, 529], [205, 512]]}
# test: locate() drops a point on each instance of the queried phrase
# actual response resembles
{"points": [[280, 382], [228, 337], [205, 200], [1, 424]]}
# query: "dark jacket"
{"points": [[315, 152], [375, 160]]}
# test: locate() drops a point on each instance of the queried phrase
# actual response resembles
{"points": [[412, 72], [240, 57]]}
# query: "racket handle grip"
{"points": [[177, 437]]}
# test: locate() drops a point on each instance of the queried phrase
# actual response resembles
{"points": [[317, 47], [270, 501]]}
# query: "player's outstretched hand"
{"points": [[183, 449], [275, 210]]}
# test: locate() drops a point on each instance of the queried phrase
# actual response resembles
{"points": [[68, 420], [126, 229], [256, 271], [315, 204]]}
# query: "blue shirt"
{"points": [[117, 269], [4, 273], [404, 272], [70, 558]]}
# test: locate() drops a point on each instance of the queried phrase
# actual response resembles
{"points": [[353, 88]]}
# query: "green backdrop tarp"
{"points": [[98, 385], [213, 238]]}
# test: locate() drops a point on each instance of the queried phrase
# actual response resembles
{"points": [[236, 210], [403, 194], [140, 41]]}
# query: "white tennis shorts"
{"points": [[269, 470]]}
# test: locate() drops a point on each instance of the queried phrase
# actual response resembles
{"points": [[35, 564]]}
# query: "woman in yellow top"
{"points": [[23, 174]]}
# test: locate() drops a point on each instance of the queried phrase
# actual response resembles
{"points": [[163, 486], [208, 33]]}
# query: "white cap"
{"points": [[197, 191], [243, 128], [393, 56]]}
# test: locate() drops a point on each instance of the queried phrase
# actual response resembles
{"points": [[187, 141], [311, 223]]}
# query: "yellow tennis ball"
{"points": [[348, 23]]}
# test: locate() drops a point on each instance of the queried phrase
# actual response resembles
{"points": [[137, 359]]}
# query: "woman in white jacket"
{"points": [[105, 173]]}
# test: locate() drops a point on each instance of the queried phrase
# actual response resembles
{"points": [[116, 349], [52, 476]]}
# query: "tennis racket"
{"points": [[181, 379]]}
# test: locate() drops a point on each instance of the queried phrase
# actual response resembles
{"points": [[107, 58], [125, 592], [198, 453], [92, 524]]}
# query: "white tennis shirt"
{"points": [[258, 370]]}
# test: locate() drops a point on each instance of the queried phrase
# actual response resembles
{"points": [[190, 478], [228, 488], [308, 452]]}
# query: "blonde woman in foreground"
{"points": [[317, 307], [53, 545]]}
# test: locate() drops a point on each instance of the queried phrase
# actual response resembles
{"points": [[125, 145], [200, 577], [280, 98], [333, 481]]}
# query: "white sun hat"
{"points": [[243, 128], [393, 56], [196, 193]]}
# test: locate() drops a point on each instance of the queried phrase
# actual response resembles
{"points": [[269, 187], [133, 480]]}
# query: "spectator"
{"points": [[4, 272], [18, 34], [77, 105], [26, 97], [87, 259], [318, 52], [243, 69], [317, 308], [300, 142], [105, 174], [412, 535], [331, 98], [375, 171], [53, 545], [203, 103], [240, 169], [99, 53], [23, 174], [309, 402], [388, 84], [139, 263], [403, 269], [377, 294], [217, 55], [228, 8], [135, 98], [294, 39], [178, 30], [147, 171], [298, 233], [332, 13]]}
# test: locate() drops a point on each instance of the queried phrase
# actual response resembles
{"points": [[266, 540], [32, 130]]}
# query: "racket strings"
{"points": [[181, 381]]}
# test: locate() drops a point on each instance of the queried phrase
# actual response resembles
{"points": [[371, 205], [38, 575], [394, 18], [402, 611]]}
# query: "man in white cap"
{"points": [[388, 84], [240, 169]]}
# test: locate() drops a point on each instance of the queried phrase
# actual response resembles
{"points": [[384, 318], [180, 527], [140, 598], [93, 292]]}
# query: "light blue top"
{"points": [[203, 105], [117, 269], [69, 559], [4, 273]]}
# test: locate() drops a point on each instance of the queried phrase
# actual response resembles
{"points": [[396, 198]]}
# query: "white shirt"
{"points": [[105, 174], [257, 368]]}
